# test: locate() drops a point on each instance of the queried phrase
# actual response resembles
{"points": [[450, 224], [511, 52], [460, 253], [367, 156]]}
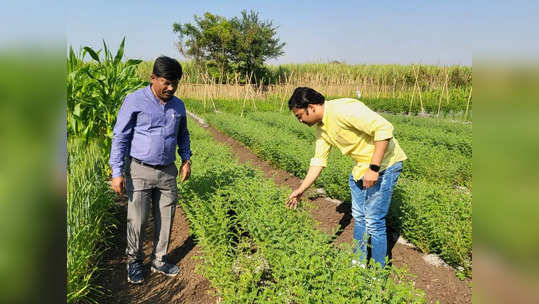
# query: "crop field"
{"points": [[429, 90], [257, 250], [254, 249], [432, 205]]}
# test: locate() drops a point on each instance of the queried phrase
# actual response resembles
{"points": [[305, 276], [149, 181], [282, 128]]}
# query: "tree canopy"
{"points": [[235, 47]]}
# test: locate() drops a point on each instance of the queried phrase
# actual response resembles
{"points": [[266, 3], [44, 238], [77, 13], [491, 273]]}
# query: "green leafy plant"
{"points": [[258, 251], [432, 204], [96, 89], [89, 219]]}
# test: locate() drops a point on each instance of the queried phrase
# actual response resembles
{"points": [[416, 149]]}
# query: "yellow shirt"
{"points": [[352, 127]]}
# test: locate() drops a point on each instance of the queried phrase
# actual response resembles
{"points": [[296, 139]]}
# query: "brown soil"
{"points": [[187, 287], [439, 283]]}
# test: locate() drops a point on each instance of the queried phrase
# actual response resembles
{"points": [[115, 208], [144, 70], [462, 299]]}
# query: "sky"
{"points": [[356, 32]]}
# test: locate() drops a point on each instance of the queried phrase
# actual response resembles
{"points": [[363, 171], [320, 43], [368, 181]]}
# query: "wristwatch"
{"points": [[374, 168]]}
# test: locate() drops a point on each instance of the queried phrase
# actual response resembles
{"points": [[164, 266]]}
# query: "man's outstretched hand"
{"points": [[293, 199]]}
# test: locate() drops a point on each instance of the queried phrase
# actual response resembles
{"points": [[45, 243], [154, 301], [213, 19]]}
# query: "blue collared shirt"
{"points": [[149, 131]]}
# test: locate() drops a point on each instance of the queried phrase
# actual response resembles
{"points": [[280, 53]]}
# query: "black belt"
{"points": [[148, 165]]}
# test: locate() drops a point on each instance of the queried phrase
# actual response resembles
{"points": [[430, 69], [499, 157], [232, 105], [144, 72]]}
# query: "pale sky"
{"points": [[356, 32]]}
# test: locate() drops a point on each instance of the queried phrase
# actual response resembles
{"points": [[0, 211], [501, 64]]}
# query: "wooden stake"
{"points": [[416, 74], [468, 104], [205, 88], [211, 97], [446, 86], [440, 101], [247, 91]]}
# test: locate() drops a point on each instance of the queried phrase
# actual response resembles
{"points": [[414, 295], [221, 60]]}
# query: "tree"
{"points": [[222, 47]]}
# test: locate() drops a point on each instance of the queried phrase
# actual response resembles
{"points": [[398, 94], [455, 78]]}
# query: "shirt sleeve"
{"points": [[184, 140], [321, 151], [123, 133], [363, 119]]}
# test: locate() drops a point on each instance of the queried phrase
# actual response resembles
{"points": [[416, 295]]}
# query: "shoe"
{"points": [[134, 273], [167, 269]]}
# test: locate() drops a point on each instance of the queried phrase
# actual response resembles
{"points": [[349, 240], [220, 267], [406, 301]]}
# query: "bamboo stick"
{"points": [[468, 104], [440, 101]]}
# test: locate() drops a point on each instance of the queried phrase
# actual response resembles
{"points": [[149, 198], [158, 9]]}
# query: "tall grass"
{"points": [[89, 219], [410, 89]]}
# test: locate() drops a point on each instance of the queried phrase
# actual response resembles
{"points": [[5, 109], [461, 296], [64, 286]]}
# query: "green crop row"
{"points": [[452, 137], [258, 251], [89, 219], [425, 160], [435, 182], [455, 110]]}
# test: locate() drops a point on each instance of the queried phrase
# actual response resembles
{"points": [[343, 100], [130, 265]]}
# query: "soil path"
{"points": [[187, 287], [438, 282]]}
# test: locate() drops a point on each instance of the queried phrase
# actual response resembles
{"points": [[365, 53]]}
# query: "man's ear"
{"points": [[312, 108]]}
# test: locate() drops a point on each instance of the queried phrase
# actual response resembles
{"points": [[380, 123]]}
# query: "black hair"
{"points": [[303, 97], [168, 68]]}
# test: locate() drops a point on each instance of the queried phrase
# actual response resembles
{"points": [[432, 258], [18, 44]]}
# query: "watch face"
{"points": [[374, 168]]}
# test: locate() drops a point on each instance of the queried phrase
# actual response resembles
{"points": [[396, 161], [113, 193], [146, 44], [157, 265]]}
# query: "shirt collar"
{"points": [[325, 116]]}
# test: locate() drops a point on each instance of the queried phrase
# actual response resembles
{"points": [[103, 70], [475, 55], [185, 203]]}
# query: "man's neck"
{"points": [[322, 109]]}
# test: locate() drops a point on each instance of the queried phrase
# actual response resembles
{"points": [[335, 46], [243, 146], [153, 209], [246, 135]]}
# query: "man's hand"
{"points": [[370, 178], [118, 185], [185, 170], [293, 199]]}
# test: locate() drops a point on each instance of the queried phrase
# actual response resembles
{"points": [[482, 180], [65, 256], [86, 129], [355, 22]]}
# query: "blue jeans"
{"points": [[369, 210]]}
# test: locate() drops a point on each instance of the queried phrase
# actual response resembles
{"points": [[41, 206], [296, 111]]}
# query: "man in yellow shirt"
{"points": [[367, 137]]}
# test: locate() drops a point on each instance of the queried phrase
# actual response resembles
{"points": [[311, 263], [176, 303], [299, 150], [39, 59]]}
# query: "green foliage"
{"points": [[230, 47], [454, 110], [95, 91], [258, 251], [89, 219], [432, 201], [401, 105]]}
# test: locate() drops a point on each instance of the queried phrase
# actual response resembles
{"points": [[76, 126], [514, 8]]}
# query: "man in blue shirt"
{"points": [[149, 126]]}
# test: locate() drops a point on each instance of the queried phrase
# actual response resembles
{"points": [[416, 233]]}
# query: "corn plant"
{"points": [[95, 91]]}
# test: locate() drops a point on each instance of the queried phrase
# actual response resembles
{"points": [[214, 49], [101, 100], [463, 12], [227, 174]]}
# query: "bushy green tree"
{"points": [[229, 47]]}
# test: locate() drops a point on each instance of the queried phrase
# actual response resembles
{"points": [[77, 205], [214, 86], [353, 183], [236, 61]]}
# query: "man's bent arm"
{"points": [[379, 151], [370, 177]]}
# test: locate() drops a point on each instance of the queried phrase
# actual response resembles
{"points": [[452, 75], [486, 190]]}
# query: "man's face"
{"points": [[164, 88], [305, 116]]}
